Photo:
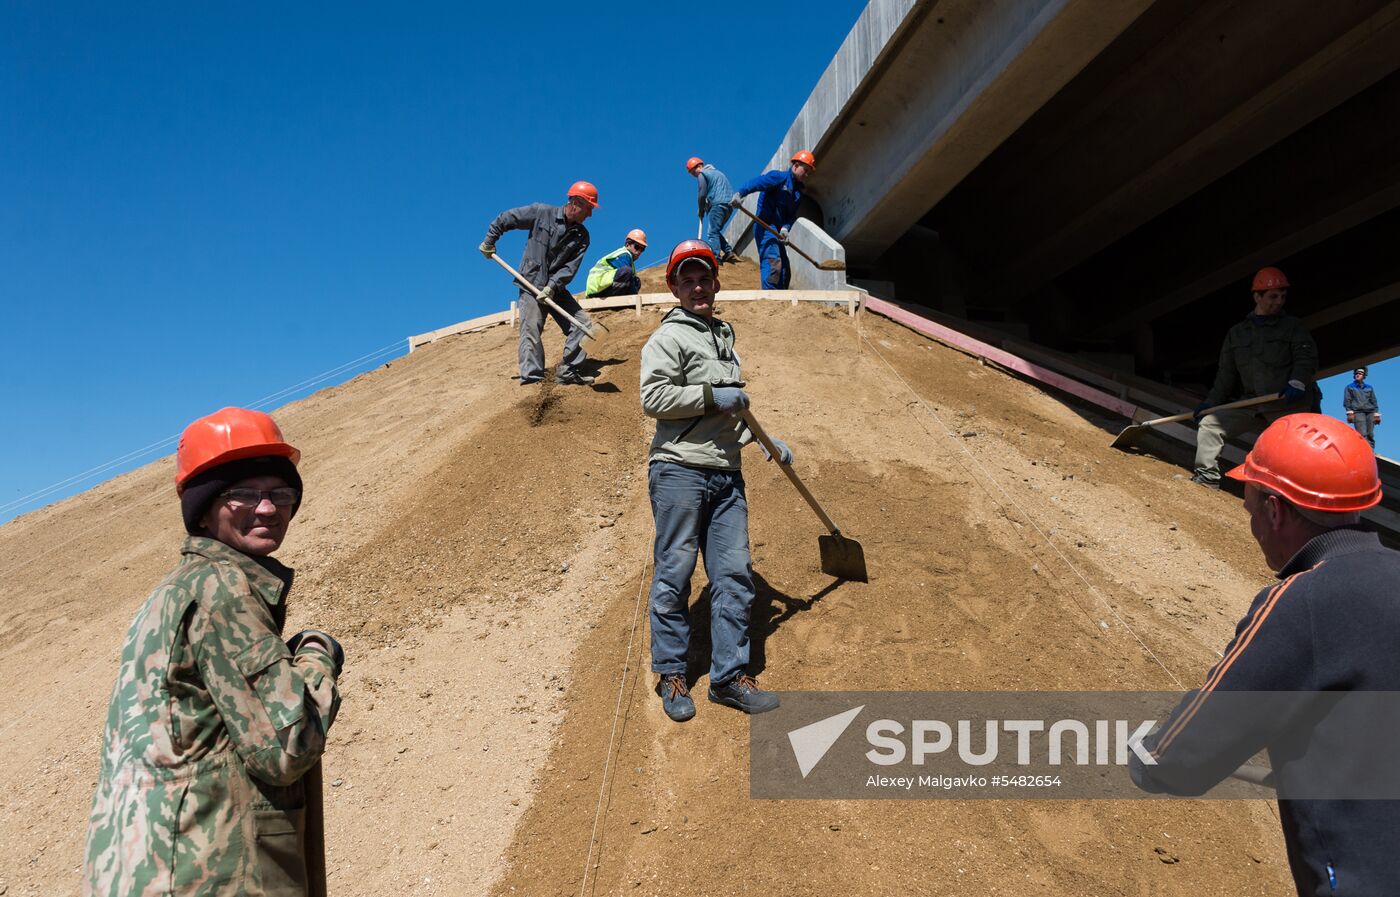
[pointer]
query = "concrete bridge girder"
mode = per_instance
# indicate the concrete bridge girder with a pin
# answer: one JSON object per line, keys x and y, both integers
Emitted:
{"x": 966, "y": 75}
{"x": 1336, "y": 56}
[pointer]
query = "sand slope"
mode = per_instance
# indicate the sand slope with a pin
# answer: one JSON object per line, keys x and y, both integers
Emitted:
{"x": 481, "y": 548}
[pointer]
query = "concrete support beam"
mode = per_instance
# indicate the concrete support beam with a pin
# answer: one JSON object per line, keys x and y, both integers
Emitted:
{"x": 814, "y": 241}
{"x": 966, "y": 75}
{"x": 1337, "y": 173}
{"x": 1113, "y": 179}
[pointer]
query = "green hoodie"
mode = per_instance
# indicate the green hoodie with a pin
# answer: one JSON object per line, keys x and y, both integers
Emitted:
{"x": 682, "y": 362}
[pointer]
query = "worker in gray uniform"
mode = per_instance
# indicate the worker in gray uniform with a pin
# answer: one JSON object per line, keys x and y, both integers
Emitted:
{"x": 1362, "y": 407}
{"x": 712, "y": 198}
{"x": 1268, "y": 353}
{"x": 552, "y": 257}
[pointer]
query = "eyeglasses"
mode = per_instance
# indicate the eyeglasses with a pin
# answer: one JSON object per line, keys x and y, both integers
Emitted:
{"x": 244, "y": 499}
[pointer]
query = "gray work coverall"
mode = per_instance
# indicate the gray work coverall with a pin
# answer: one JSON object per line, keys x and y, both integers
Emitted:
{"x": 1260, "y": 356}
{"x": 552, "y": 257}
{"x": 1362, "y": 407}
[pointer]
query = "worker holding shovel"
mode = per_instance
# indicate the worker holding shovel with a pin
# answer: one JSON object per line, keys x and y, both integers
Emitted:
{"x": 210, "y": 771}
{"x": 1267, "y": 353}
{"x": 691, "y": 384}
{"x": 780, "y": 192}
{"x": 552, "y": 257}
{"x": 712, "y": 203}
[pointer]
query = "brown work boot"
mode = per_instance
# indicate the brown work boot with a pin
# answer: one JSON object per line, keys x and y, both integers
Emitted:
{"x": 743, "y": 693}
{"x": 675, "y": 698}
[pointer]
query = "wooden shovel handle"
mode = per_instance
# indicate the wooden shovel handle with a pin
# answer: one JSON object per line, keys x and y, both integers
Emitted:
{"x": 1188, "y": 415}
{"x": 766, "y": 226}
{"x": 534, "y": 291}
{"x": 767, "y": 443}
{"x": 315, "y": 833}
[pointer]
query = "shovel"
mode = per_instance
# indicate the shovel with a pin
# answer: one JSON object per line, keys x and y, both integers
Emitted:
{"x": 1130, "y": 434}
{"x": 842, "y": 557}
{"x": 828, "y": 265}
{"x": 585, "y": 326}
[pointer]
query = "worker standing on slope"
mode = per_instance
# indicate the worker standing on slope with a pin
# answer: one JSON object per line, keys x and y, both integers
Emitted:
{"x": 1362, "y": 407}
{"x": 692, "y": 386}
{"x": 781, "y": 191}
{"x": 1268, "y": 352}
{"x": 552, "y": 257}
{"x": 1330, "y": 625}
{"x": 214, "y": 720}
{"x": 714, "y": 194}
{"x": 615, "y": 273}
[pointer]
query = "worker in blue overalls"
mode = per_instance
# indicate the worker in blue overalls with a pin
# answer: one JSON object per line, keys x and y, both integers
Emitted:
{"x": 781, "y": 191}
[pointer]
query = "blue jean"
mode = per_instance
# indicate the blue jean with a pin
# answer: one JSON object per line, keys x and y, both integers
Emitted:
{"x": 715, "y": 220}
{"x": 773, "y": 270}
{"x": 705, "y": 511}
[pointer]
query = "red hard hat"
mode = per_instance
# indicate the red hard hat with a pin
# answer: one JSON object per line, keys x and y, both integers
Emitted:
{"x": 585, "y": 191}
{"x": 229, "y": 434}
{"x": 693, "y": 163}
{"x": 806, "y": 158}
{"x": 1314, "y": 461}
{"x": 684, "y": 252}
{"x": 638, "y": 236}
{"x": 1269, "y": 279}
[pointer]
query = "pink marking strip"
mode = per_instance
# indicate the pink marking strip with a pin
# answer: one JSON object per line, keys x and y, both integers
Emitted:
{"x": 923, "y": 325}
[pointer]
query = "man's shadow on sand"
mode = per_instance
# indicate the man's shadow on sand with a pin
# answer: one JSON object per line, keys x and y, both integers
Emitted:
{"x": 771, "y": 609}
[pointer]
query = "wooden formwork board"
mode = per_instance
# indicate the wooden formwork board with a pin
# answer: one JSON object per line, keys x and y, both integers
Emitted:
{"x": 961, "y": 341}
{"x": 849, "y": 298}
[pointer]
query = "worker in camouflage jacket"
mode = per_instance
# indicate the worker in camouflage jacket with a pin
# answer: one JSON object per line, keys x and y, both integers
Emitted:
{"x": 214, "y": 720}
{"x": 1362, "y": 407}
{"x": 1268, "y": 353}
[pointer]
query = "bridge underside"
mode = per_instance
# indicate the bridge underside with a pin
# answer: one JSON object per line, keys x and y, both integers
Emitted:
{"x": 1104, "y": 177}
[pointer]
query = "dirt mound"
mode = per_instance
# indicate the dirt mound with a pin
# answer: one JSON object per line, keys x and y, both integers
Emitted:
{"x": 482, "y": 548}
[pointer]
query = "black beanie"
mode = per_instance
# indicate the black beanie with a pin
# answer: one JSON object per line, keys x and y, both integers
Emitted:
{"x": 199, "y": 493}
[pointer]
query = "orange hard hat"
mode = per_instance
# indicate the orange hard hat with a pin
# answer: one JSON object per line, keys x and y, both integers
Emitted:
{"x": 1313, "y": 461}
{"x": 806, "y": 158}
{"x": 229, "y": 434}
{"x": 684, "y": 252}
{"x": 1269, "y": 279}
{"x": 638, "y": 236}
{"x": 585, "y": 191}
{"x": 693, "y": 163}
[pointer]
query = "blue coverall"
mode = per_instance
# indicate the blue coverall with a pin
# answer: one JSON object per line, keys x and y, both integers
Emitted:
{"x": 777, "y": 206}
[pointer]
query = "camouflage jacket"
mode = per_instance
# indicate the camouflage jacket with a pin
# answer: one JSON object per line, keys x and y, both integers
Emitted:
{"x": 212, "y": 723}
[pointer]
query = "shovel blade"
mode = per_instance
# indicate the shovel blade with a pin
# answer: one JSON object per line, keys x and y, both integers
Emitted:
{"x": 832, "y": 265}
{"x": 842, "y": 558}
{"x": 1129, "y": 437}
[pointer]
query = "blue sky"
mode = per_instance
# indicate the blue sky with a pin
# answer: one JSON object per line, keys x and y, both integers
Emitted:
{"x": 204, "y": 205}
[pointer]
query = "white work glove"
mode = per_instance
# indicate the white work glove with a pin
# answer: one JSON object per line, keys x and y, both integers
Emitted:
{"x": 783, "y": 236}
{"x": 487, "y": 249}
{"x": 547, "y": 293}
{"x": 729, "y": 400}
